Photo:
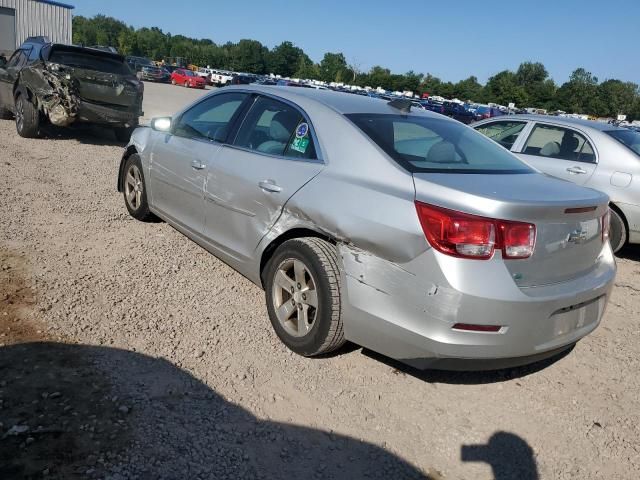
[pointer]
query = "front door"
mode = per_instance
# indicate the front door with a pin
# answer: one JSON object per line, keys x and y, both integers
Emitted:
{"x": 179, "y": 161}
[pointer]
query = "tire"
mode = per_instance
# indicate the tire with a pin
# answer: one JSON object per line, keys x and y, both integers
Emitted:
{"x": 324, "y": 332}
{"x": 27, "y": 117}
{"x": 123, "y": 134}
{"x": 134, "y": 190}
{"x": 617, "y": 231}
{"x": 186, "y": 84}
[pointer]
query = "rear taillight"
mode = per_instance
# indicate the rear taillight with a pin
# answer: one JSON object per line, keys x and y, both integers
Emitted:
{"x": 606, "y": 225}
{"x": 469, "y": 236}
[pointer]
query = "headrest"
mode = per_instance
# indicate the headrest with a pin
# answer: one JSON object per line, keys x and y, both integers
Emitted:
{"x": 550, "y": 149}
{"x": 442, "y": 152}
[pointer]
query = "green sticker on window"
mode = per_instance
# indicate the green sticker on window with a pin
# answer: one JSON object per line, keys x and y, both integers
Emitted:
{"x": 300, "y": 144}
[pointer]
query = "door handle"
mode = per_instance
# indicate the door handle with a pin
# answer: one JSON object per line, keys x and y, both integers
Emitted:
{"x": 197, "y": 164}
{"x": 576, "y": 170}
{"x": 269, "y": 186}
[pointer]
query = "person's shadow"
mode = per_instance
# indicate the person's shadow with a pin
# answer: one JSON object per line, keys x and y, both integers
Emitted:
{"x": 74, "y": 411}
{"x": 509, "y": 455}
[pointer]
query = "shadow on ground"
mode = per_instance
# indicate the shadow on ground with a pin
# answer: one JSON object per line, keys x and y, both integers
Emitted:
{"x": 630, "y": 252}
{"x": 72, "y": 411}
{"x": 509, "y": 456}
{"x": 467, "y": 377}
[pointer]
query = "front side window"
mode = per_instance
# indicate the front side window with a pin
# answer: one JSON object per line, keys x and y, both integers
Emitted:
{"x": 503, "y": 133}
{"x": 424, "y": 144}
{"x": 211, "y": 118}
{"x": 276, "y": 128}
{"x": 558, "y": 142}
{"x": 17, "y": 59}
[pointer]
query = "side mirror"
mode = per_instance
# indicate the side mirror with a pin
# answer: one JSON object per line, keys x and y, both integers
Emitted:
{"x": 161, "y": 124}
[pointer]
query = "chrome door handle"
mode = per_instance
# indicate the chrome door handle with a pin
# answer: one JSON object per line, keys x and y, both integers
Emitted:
{"x": 269, "y": 186}
{"x": 197, "y": 164}
{"x": 576, "y": 170}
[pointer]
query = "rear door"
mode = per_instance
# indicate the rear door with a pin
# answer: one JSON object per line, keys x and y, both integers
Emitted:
{"x": 559, "y": 151}
{"x": 248, "y": 183}
{"x": 179, "y": 161}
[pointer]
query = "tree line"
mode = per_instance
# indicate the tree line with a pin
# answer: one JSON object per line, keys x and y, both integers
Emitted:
{"x": 529, "y": 86}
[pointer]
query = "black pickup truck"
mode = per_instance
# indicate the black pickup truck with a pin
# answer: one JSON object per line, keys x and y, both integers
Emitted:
{"x": 66, "y": 84}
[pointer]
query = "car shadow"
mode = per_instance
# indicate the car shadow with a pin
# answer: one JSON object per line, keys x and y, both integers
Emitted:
{"x": 630, "y": 252}
{"x": 78, "y": 411}
{"x": 86, "y": 134}
{"x": 467, "y": 377}
{"x": 509, "y": 456}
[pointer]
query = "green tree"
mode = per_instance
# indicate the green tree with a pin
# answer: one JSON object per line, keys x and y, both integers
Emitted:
{"x": 617, "y": 97}
{"x": 333, "y": 67}
{"x": 469, "y": 89}
{"x": 579, "y": 94}
{"x": 503, "y": 88}
{"x": 283, "y": 59}
{"x": 250, "y": 56}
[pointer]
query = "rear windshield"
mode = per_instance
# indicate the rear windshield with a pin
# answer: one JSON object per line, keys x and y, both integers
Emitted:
{"x": 629, "y": 138}
{"x": 89, "y": 61}
{"x": 423, "y": 144}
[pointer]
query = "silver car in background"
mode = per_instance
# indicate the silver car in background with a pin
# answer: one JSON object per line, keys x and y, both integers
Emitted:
{"x": 592, "y": 154}
{"x": 402, "y": 231}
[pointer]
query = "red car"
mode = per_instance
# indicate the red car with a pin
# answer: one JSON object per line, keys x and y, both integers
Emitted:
{"x": 185, "y": 77}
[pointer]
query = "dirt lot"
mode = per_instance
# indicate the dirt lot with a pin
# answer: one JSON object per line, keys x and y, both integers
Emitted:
{"x": 127, "y": 351}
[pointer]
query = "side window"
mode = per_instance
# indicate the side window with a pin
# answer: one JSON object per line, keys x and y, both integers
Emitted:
{"x": 557, "y": 142}
{"x": 504, "y": 133}
{"x": 17, "y": 59}
{"x": 276, "y": 128}
{"x": 210, "y": 118}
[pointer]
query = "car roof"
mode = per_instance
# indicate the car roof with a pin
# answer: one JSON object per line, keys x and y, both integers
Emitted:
{"x": 343, "y": 103}
{"x": 568, "y": 121}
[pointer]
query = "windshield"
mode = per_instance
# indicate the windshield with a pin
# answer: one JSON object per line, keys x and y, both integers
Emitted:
{"x": 628, "y": 138}
{"x": 423, "y": 144}
{"x": 89, "y": 61}
{"x": 188, "y": 73}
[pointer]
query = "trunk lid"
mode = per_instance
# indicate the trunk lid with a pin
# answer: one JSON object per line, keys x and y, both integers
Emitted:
{"x": 105, "y": 88}
{"x": 567, "y": 218}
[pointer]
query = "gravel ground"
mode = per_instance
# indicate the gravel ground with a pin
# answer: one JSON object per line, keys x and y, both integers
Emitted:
{"x": 127, "y": 351}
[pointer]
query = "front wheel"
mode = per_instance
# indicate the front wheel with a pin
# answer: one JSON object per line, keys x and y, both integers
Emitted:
{"x": 27, "y": 117}
{"x": 186, "y": 84}
{"x": 303, "y": 294}
{"x": 135, "y": 191}
{"x": 617, "y": 231}
{"x": 173, "y": 81}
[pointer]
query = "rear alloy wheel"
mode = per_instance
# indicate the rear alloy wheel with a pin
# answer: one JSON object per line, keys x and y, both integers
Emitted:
{"x": 302, "y": 288}
{"x": 135, "y": 192}
{"x": 617, "y": 231}
{"x": 27, "y": 117}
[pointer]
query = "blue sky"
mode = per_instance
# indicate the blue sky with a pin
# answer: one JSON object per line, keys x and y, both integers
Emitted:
{"x": 450, "y": 39}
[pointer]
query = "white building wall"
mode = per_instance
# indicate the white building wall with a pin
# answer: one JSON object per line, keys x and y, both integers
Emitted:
{"x": 34, "y": 17}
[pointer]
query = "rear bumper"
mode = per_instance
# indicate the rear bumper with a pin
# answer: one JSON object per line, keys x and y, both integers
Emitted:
{"x": 107, "y": 115}
{"x": 407, "y": 311}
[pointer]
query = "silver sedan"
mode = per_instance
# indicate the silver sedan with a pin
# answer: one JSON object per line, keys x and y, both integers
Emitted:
{"x": 364, "y": 220}
{"x": 593, "y": 154}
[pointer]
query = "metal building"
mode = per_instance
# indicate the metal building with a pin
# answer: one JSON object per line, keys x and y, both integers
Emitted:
{"x": 20, "y": 19}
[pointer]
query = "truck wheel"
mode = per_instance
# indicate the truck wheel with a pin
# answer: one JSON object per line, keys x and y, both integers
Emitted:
{"x": 27, "y": 117}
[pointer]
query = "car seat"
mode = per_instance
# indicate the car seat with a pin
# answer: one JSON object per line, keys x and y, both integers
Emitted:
{"x": 282, "y": 126}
